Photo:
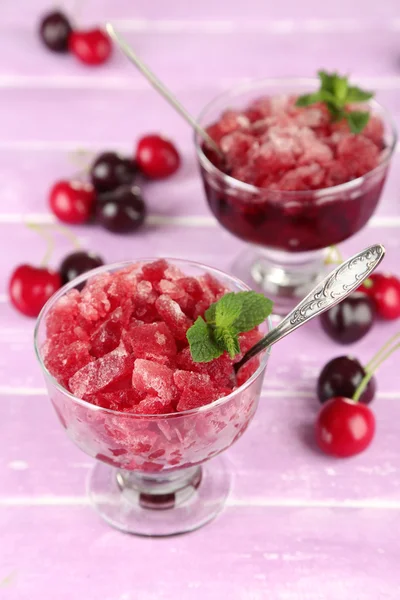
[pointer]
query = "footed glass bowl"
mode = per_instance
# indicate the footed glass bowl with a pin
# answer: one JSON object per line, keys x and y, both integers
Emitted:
{"x": 155, "y": 475}
{"x": 289, "y": 231}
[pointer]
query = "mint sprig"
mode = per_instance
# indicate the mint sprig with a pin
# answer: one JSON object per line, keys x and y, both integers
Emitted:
{"x": 224, "y": 321}
{"x": 336, "y": 93}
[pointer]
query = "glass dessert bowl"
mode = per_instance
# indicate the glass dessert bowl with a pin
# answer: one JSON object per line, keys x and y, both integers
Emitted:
{"x": 303, "y": 202}
{"x": 151, "y": 422}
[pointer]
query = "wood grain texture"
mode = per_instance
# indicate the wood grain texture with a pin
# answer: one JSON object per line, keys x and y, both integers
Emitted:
{"x": 297, "y": 525}
{"x": 249, "y": 553}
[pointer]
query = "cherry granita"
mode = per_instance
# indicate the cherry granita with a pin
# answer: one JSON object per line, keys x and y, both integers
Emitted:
{"x": 120, "y": 342}
{"x": 294, "y": 157}
{"x": 131, "y": 394}
{"x": 268, "y": 142}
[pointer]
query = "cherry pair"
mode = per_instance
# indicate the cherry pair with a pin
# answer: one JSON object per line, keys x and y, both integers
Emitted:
{"x": 156, "y": 158}
{"x": 351, "y": 319}
{"x": 91, "y": 47}
{"x": 30, "y": 287}
{"x": 121, "y": 210}
{"x": 346, "y": 425}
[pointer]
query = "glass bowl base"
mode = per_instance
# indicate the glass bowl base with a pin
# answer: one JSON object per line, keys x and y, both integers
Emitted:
{"x": 283, "y": 277}
{"x": 158, "y": 504}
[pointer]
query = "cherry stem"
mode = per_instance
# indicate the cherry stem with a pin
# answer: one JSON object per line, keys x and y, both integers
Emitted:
{"x": 80, "y": 159}
{"x": 377, "y": 356}
{"x": 377, "y": 363}
{"x": 76, "y": 9}
{"x": 67, "y": 233}
{"x": 368, "y": 283}
{"x": 48, "y": 238}
{"x": 334, "y": 256}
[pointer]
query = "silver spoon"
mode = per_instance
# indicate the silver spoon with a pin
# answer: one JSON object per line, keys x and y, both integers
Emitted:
{"x": 160, "y": 87}
{"x": 335, "y": 287}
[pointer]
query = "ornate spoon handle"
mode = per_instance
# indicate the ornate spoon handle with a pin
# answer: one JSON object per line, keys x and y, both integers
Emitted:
{"x": 331, "y": 290}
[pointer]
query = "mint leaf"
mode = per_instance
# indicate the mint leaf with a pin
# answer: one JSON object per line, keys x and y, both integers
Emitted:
{"x": 326, "y": 80}
{"x": 228, "y": 309}
{"x": 336, "y": 113}
{"x": 357, "y": 120}
{"x": 241, "y": 311}
{"x": 225, "y": 319}
{"x": 327, "y": 97}
{"x": 308, "y": 99}
{"x": 332, "y": 105}
{"x": 210, "y": 313}
{"x": 336, "y": 93}
{"x": 203, "y": 347}
{"x": 340, "y": 88}
{"x": 356, "y": 94}
{"x": 255, "y": 309}
{"x": 228, "y": 340}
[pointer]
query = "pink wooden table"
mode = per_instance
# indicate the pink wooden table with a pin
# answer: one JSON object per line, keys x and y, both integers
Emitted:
{"x": 297, "y": 525}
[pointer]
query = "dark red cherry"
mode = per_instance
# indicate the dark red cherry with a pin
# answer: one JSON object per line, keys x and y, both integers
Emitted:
{"x": 91, "y": 47}
{"x": 122, "y": 210}
{"x": 349, "y": 320}
{"x": 110, "y": 170}
{"x": 77, "y": 263}
{"x": 344, "y": 428}
{"x": 54, "y": 31}
{"x": 30, "y": 287}
{"x": 341, "y": 376}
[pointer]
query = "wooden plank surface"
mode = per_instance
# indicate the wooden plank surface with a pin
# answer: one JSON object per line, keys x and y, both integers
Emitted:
{"x": 297, "y": 525}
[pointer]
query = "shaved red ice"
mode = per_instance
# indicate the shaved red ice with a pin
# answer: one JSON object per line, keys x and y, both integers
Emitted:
{"x": 267, "y": 142}
{"x": 63, "y": 361}
{"x": 152, "y": 341}
{"x": 123, "y": 400}
{"x": 120, "y": 343}
{"x": 96, "y": 376}
{"x": 194, "y": 398}
{"x": 106, "y": 337}
{"x": 149, "y": 377}
{"x": 173, "y": 316}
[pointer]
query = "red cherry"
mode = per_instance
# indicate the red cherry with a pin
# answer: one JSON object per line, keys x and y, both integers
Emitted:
{"x": 30, "y": 288}
{"x": 72, "y": 201}
{"x": 157, "y": 157}
{"x": 385, "y": 292}
{"x": 344, "y": 427}
{"x": 92, "y": 47}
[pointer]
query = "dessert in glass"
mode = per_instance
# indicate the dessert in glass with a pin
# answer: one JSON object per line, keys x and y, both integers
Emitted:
{"x": 119, "y": 372}
{"x": 292, "y": 182}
